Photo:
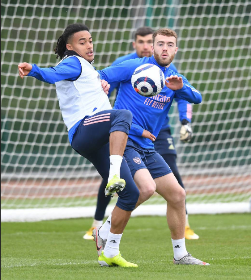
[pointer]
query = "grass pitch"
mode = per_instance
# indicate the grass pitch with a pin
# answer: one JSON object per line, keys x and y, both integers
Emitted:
{"x": 56, "y": 250}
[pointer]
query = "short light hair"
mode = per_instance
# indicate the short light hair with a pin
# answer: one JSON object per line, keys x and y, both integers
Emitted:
{"x": 165, "y": 32}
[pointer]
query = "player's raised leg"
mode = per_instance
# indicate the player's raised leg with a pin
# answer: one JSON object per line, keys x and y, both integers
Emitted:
{"x": 118, "y": 139}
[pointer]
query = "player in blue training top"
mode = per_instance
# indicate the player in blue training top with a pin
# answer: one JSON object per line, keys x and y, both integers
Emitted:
{"x": 163, "y": 144}
{"x": 150, "y": 172}
{"x": 94, "y": 127}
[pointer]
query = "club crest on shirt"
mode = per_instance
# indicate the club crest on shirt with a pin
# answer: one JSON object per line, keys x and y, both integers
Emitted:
{"x": 137, "y": 160}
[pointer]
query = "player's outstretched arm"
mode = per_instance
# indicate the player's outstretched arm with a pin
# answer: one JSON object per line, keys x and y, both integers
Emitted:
{"x": 24, "y": 69}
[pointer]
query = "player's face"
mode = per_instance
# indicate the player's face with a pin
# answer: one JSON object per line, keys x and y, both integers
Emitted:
{"x": 81, "y": 43}
{"x": 143, "y": 45}
{"x": 164, "y": 49}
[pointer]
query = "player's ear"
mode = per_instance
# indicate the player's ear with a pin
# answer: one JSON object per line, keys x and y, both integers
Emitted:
{"x": 176, "y": 49}
{"x": 69, "y": 47}
{"x": 133, "y": 45}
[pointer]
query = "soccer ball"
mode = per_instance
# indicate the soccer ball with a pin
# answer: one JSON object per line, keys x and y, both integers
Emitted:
{"x": 148, "y": 80}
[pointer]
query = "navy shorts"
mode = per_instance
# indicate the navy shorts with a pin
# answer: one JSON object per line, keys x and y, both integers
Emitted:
{"x": 138, "y": 158}
{"x": 91, "y": 140}
{"x": 164, "y": 143}
{"x": 94, "y": 131}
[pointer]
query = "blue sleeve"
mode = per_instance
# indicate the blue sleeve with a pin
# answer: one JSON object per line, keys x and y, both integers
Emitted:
{"x": 113, "y": 86}
{"x": 188, "y": 92}
{"x": 185, "y": 109}
{"x": 121, "y": 72}
{"x": 116, "y": 85}
{"x": 136, "y": 130}
{"x": 69, "y": 69}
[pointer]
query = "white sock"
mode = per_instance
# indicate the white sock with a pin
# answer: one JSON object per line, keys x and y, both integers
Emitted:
{"x": 105, "y": 228}
{"x": 97, "y": 224}
{"x": 115, "y": 164}
{"x": 112, "y": 245}
{"x": 179, "y": 248}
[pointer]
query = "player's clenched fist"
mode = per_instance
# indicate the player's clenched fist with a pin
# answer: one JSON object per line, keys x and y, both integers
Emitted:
{"x": 24, "y": 69}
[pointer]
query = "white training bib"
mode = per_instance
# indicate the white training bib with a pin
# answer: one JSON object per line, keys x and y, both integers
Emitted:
{"x": 83, "y": 97}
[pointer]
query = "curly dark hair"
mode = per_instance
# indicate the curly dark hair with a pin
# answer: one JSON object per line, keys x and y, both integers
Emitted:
{"x": 64, "y": 38}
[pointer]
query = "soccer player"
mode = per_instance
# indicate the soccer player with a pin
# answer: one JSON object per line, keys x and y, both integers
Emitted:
{"x": 150, "y": 172}
{"x": 94, "y": 128}
{"x": 163, "y": 144}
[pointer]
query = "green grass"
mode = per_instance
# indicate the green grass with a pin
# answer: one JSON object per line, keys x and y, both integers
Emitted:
{"x": 56, "y": 250}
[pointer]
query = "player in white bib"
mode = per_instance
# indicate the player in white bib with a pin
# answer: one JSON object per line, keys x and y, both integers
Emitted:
{"x": 95, "y": 130}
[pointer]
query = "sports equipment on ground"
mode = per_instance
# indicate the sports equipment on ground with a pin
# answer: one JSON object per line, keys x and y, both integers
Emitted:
{"x": 114, "y": 185}
{"x": 115, "y": 261}
{"x": 189, "y": 260}
{"x": 43, "y": 178}
{"x": 148, "y": 80}
{"x": 100, "y": 243}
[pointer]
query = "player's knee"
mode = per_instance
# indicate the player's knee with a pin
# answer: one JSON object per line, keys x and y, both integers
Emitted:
{"x": 128, "y": 201}
{"x": 134, "y": 198}
{"x": 126, "y": 115}
{"x": 122, "y": 121}
{"x": 179, "y": 196}
{"x": 147, "y": 191}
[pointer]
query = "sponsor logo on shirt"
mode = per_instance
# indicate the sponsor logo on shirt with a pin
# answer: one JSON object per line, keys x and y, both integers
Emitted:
{"x": 158, "y": 101}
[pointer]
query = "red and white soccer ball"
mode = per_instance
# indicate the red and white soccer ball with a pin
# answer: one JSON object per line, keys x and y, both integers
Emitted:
{"x": 148, "y": 80}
